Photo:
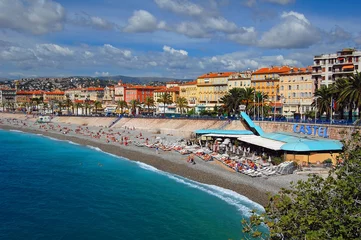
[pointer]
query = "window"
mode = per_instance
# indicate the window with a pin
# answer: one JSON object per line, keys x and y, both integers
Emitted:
{"x": 298, "y": 87}
{"x": 281, "y": 88}
{"x": 301, "y": 78}
{"x": 294, "y": 94}
{"x": 356, "y": 67}
{"x": 289, "y": 87}
{"x": 329, "y": 69}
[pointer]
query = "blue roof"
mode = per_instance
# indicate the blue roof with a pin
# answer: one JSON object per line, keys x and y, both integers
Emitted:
{"x": 224, "y": 132}
{"x": 251, "y": 124}
{"x": 297, "y": 143}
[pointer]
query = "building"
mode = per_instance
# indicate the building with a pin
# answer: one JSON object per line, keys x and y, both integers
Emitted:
{"x": 27, "y": 98}
{"x": 86, "y": 94}
{"x": 139, "y": 93}
{"x": 119, "y": 91}
{"x": 109, "y": 95}
{"x": 266, "y": 80}
{"x": 329, "y": 67}
{"x": 189, "y": 91}
{"x": 169, "y": 108}
{"x": 211, "y": 87}
{"x": 54, "y": 96}
{"x": 172, "y": 84}
{"x": 7, "y": 98}
{"x": 296, "y": 91}
{"x": 240, "y": 80}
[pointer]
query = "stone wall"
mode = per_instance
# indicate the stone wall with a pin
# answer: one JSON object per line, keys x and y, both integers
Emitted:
{"x": 333, "y": 131}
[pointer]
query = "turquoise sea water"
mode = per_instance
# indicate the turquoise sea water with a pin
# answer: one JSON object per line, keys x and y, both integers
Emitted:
{"x": 52, "y": 189}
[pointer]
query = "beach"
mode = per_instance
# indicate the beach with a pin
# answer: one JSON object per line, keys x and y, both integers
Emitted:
{"x": 99, "y": 136}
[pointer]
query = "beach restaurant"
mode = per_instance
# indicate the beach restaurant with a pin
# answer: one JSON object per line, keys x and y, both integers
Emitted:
{"x": 293, "y": 147}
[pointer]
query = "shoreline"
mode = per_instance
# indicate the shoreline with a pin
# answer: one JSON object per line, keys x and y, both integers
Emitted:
{"x": 204, "y": 172}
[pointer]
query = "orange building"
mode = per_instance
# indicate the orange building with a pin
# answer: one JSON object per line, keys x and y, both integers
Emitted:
{"x": 266, "y": 80}
{"x": 55, "y": 96}
{"x": 25, "y": 97}
{"x": 139, "y": 93}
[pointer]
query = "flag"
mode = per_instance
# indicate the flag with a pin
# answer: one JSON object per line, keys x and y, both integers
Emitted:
{"x": 334, "y": 104}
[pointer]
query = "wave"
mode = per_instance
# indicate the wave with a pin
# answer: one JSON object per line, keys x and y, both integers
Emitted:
{"x": 13, "y": 130}
{"x": 73, "y": 143}
{"x": 95, "y": 148}
{"x": 242, "y": 203}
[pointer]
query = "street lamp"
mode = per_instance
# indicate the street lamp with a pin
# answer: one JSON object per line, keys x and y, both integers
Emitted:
{"x": 316, "y": 108}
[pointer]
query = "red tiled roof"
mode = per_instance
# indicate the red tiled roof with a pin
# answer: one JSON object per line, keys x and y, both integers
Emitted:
{"x": 29, "y": 92}
{"x": 55, "y": 93}
{"x": 141, "y": 87}
{"x": 95, "y": 89}
{"x": 190, "y": 83}
{"x": 276, "y": 69}
{"x": 215, "y": 75}
{"x": 172, "y": 89}
{"x": 295, "y": 70}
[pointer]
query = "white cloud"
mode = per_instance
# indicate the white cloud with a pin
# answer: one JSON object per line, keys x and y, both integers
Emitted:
{"x": 17, "y": 54}
{"x": 281, "y": 2}
{"x": 95, "y": 22}
{"x": 103, "y": 74}
{"x": 220, "y": 24}
{"x": 192, "y": 29}
{"x": 295, "y": 31}
{"x": 174, "y": 51}
{"x": 53, "y": 50}
{"x": 181, "y": 7}
{"x": 245, "y": 36}
{"x": 142, "y": 21}
{"x": 36, "y": 16}
{"x": 111, "y": 50}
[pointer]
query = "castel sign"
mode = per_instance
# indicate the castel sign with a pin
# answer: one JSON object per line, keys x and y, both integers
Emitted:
{"x": 311, "y": 130}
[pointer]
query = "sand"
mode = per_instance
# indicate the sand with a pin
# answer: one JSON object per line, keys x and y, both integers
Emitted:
{"x": 212, "y": 173}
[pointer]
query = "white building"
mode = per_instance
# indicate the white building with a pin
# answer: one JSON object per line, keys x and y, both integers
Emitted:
{"x": 329, "y": 67}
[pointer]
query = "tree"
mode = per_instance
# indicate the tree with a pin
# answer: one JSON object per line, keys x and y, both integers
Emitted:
{"x": 319, "y": 208}
{"x": 122, "y": 104}
{"x": 324, "y": 96}
{"x": 68, "y": 103}
{"x": 248, "y": 96}
{"x": 232, "y": 100}
{"x": 182, "y": 103}
{"x": 352, "y": 91}
{"x": 149, "y": 102}
{"x": 133, "y": 105}
{"x": 97, "y": 105}
{"x": 77, "y": 106}
{"x": 60, "y": 105}
{"x": 165, "y": 98}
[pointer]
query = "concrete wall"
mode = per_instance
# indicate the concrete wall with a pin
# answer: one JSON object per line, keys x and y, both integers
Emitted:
{"x": 334, "y": 132}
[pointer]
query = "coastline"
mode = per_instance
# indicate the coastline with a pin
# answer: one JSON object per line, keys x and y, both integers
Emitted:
{"x": 204, "y": 172}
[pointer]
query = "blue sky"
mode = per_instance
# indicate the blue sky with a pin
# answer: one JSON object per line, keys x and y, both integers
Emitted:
{"x": 170, "y": 38}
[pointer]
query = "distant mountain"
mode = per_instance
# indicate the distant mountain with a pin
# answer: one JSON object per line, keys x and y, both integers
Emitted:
{"x": 142, "y": 80}
{"x": 3, "y": 79}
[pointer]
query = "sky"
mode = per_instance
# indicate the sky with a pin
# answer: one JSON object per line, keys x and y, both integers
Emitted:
{"x": 169, "y": 38}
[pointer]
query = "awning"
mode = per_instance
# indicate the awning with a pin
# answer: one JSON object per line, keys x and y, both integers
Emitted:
{"x": 348, "y": 67}
{"x": 262, "y": 142}
{"x": 222, "y": 135}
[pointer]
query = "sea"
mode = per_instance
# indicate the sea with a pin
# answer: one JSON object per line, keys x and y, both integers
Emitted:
{"x": 52, "y": 189}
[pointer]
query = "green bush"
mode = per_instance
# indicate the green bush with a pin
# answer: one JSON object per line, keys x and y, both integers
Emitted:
{"x": 277, "y": 160}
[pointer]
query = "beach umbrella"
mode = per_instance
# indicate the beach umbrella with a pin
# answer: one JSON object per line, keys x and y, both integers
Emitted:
{"x": 237, "y": 151}
{"x": 269, "y": 159}
{"x": 244, "y": 154}
{"x": 219, "y": 139}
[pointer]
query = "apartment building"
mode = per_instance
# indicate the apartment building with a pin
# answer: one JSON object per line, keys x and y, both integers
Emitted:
{"x": 109, "y": 95}
{"x": 266, "y": 80}
{"x": 7, "y": 97}
{"x": 85, "y": 94}
{"x": 25, "y": 98}
{"x": 211, "y": 87}
{"x": 327, "y": 68}
{"x": 296, "y": 91}
{"x": 240, "y": 80}
{"x": 139, "y": 93}
{"x": 189, "y": 91}
{"x": 169, "y": 108}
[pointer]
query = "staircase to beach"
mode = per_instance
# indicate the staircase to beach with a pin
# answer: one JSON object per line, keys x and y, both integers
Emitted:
{"x": 114, "y": 122}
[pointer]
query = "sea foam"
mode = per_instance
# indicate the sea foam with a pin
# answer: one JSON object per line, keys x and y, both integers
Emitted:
{"x": 242, "y": 203}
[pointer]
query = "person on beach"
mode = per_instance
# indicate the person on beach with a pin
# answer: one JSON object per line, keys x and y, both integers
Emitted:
{"x": 157, "y": 150}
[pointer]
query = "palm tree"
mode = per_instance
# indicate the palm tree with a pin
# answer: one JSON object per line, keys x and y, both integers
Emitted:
{"x": 182, "y": 103}
{"x": 97, "y": 105}
{"x": 122, "y": 104}
{"x": 78, "y": 105}
{"x": 336, "y": 90}
{"x": 248, "y": 96}
{"x": 232, "y": 100}
{"x": 61, "y": 106}
{"x": 133, "y": 105}
{"x": 165, "y": 98}
{"x": 324, "y": 96}
{"x": 352, "y": 91}
{"x": 68, "y": 103}
{"x": 87, "y": 106}
{"x": 149, "y": 102}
